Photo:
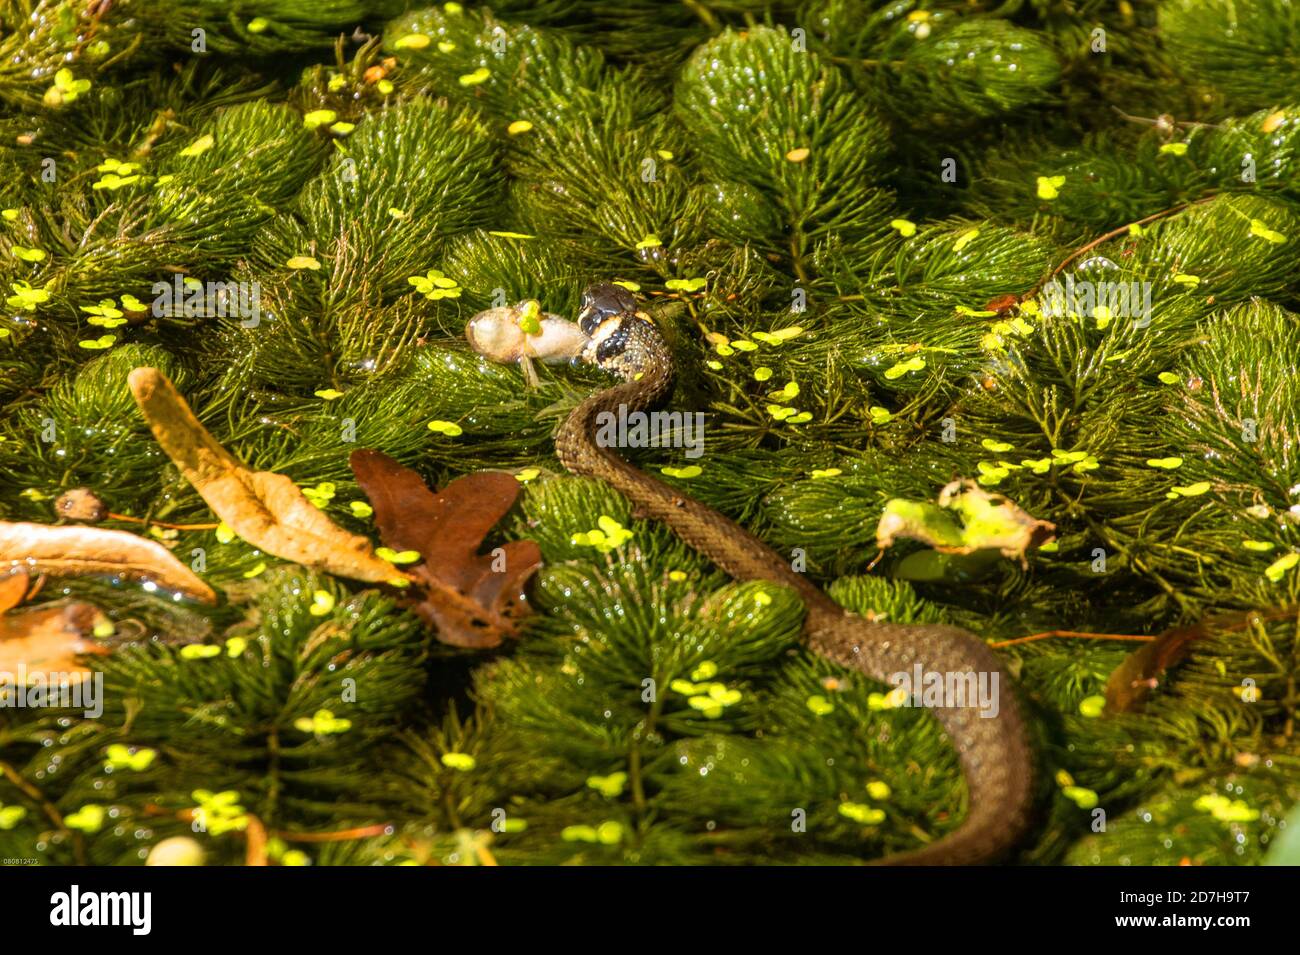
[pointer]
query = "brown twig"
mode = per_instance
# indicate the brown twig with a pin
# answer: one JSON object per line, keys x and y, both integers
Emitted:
{"x": 1071, "y": 633}
{"x": 360, "y": 832}
{"x": 174, "y": 527}
{"x": 1112, "y": 234}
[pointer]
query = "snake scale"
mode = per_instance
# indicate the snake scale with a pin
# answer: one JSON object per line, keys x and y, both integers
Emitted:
{"x": 994, "y": 752}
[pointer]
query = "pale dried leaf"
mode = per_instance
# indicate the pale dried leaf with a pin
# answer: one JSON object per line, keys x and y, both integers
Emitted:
{"x": 266, "y": 509}
{"x": 77, "y": 550}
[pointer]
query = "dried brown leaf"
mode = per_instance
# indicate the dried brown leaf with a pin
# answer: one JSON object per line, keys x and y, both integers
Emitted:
{"x": 48, "y": 639}
{"x": 79, "y": 550}
{"x": 266, "y": 509}
{"x": 473, "y": 599}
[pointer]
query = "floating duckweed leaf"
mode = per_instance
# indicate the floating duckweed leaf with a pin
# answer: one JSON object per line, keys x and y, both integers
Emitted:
{"x": 530, "y": 317}
{"x": 1168, "y": 464}
{"x": 878, "y": 790}
{"x": 707, "y": 670}
{"x": 880, "y": 415}
{"x": 826, "y": 473}
{"x": 28, "y": 255}
{"x": 10, "y": 816}
{"x": 384, "y": 86}
{"x": 973, "y": 313}
{"x": 609, "y": 535}
{"x": 66, "y": 88}
{"x": 1225, "y": 809}
{"x": 714, "y": 365}
{"x": 1259, "y": 228}
{"x": 798, "y": 154}
{"x": 791, "y": 390}
{"x": 864, "y": 814}
{"x": 329, "y": 394}
{"x": 1083, "y": 798}
{"x": 628, "y": 284}
{"x": 608, "y": 786}
{"x": 342, "y": 128}
{"x": 708, "y": 707}
{"x": 1191, "y": 490}
{"x": 527, "y": 474}
{"x": 322, "y": 723}
{"x": 512, "y": 235}
{"x": 257, "y": 25}
{"x": 762, "y": 373}
{"x": 319, "y": 117}
{"x": 915, "y": 363}
{"x": 965, "y": 239}
{"x": 1262, "y": 547}
{"x": 1279, "y": 567}
{"x": 1069, "y": 457}
{"x": 724, "y": 696}
{"x": 676, "y": 576}
{"x": 236, "y": 646}
{"x": 1174, "y": 149}
{"x": 25, "y": 296}
{"x": 397, "y": 556}
{"x": 89, "y": 818}
{"x": 321, "y": 494}
{"x": 997, "y": 447}
{"x": 199, "y": 651}
{"x": 474, "y": 79}
{"x": 434, "y": 285}
{"x": 412, "y": 41}
{"x": 819, "y": 705}
{"x": 519, "y": 126}
{"x": 802, "y": 417}
{"x": 303, "y": 262}
{"x": 905, "y": 228}
{"x": 256, "y": 571}
{"x": 686, "y": 285}
{"x": 780, "y": 412}
{"x": 690, "y": 471}
{"x": 397, "y": 213}
{"x": 651, "y": 241}
{"x": 322, "y": 602}
{"x": 9, "y": 215}
{"x": 461, "y": 762}
{"x": 1049, "y": 186}
{"x": 199, "y": 146}
{"x": 991, "y": 474}
{"x": 1037, "y": 466}
{"x": 1092, "y": 706}
{"x": 97, "y": 344}
{"x": 725, "y": 350}
{"x": 224, "y": 534}
{"x": 120, "y": 756}
{"x": 684, "y": 687}
{"x": 449, "y": 428}
{"x": 1182, "y": 278}
{"x": 218, "y": 813}
{"x": 1167, "y": 378}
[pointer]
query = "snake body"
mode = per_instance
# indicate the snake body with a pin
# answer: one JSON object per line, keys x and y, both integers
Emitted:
{"x": 994, "y": 752}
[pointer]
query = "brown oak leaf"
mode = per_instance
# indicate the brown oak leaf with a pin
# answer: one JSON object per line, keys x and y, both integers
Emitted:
{"x": 474, "y": 600}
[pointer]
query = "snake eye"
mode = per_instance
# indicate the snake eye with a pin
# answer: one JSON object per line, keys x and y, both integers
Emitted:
{"x": 601, "y": 301}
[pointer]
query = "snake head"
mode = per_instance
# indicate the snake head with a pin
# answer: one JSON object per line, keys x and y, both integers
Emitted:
{"x": 602, "y": 301}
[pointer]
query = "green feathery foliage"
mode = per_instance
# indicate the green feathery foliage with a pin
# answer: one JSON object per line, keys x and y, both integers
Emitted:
{"x": 856, "y": 224}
